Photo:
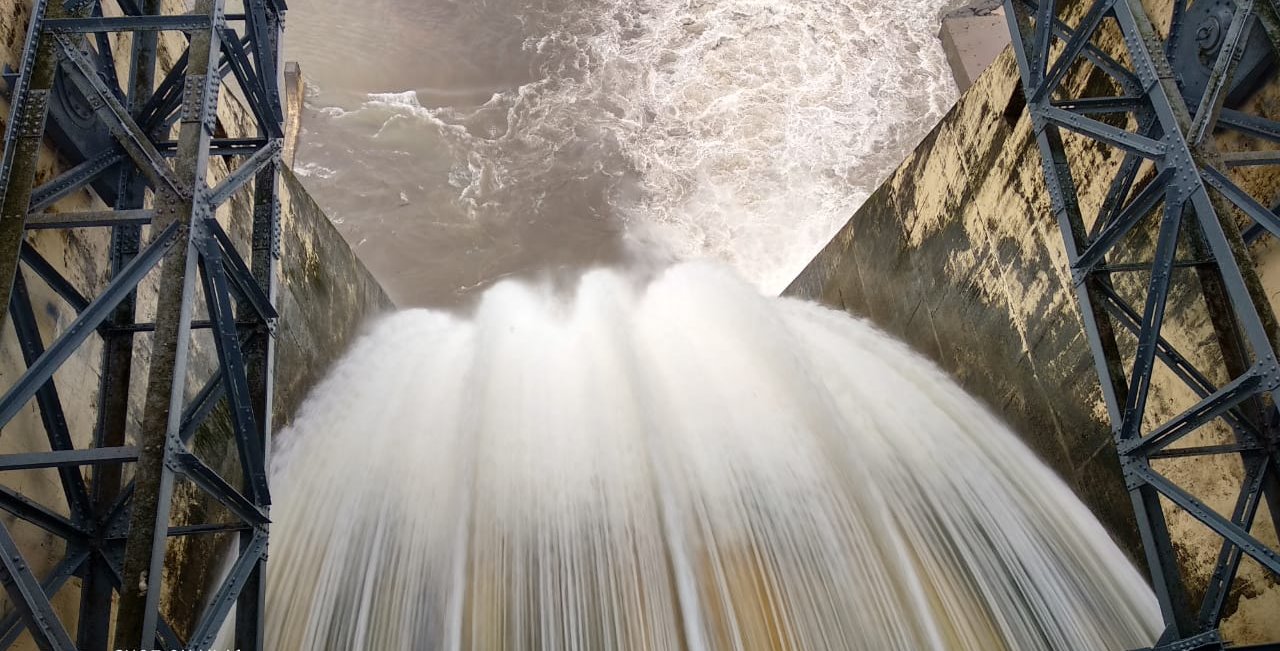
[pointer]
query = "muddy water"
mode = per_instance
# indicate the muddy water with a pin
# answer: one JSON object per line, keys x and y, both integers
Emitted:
{"x": 456, "y": 143}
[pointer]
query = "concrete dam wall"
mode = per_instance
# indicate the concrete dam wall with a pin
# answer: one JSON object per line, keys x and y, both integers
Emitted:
{"x": 959, "y": 254}
{"x": 326, "y": 295}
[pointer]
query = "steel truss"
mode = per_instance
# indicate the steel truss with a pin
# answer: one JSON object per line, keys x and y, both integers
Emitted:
{"x": 1165, "y": 125}
{"x": 160, "y": 132}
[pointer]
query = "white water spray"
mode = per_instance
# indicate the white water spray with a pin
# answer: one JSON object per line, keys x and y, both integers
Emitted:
{"x": 683, "y": 465}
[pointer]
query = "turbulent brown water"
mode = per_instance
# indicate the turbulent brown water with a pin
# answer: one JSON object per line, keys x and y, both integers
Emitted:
{"x": 458, "y": 142}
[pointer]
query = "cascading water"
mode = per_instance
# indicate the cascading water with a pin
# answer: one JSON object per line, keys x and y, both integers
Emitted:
{"x": 679, "y": 463}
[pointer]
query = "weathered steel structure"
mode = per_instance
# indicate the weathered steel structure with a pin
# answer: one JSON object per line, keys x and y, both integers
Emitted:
{"x": 1162, "y": 102}
{"x": 142, "y": 139}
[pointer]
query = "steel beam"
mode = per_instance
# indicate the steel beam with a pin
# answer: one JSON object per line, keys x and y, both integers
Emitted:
{"x": 14, "y": 624}
{"x": 1178, "y": 209}
{"x": 29, "y": 598}
{"x": 182, "y": 208}
{"x": 66, "y": 458}
{"x": 29, "y": 106}
{"x": 18, "y": 505}
{"x": 116, "y": 532}
{"x": 181, "y": 23}
{"x": 90, "y": 218}
{"x": 74, "y": 179}
{"x": 51, "y": 413}
{"x": 244, "y": 173}
{"x": 83, "y": 326}
{"x": 54, "y": 279}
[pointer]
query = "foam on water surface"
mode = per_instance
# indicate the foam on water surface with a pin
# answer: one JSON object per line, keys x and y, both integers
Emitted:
{"x": 744, "y": 131}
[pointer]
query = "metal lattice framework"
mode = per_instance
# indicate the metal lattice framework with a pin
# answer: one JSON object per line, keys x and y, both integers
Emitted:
{"x": 144, "y": 145}
{"x": 1165, "y": 104}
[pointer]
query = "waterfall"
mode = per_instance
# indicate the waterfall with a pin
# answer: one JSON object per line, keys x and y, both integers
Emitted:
{"x": 675, "y": 462}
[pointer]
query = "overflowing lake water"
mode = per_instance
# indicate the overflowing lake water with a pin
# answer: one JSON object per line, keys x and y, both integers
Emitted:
{"x": 680, "y": 463}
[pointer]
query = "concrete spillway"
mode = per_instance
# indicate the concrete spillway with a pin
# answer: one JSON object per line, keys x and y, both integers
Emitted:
{"x": 682, "y": 464}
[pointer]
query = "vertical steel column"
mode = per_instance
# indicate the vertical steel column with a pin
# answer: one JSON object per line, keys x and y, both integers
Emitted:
{"x": 22, "y": 141}
{"x": 260, "y": 350}
{"x": 96, "y": 592}
{"x": 139, "y": 607}
{"x": 115, "y": 538}
{"x": 1177, "y": 207}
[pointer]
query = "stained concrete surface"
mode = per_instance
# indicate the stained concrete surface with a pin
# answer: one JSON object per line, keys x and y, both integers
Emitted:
{"x": 295, "y": 90}
{"x": 959, "y": 255}
{"x": 972, "y": 38}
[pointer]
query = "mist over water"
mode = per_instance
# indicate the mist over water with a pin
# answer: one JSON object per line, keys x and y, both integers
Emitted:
{"x": 458, "y": 142}
{"x": 682, "y": 464}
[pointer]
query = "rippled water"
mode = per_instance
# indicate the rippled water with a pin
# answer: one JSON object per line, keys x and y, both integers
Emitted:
{"x": 457, "y": 142}
{"x": 673, "y": 464}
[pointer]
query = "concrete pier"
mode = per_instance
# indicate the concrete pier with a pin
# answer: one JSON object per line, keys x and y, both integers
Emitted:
{"x": 972, "y": 38}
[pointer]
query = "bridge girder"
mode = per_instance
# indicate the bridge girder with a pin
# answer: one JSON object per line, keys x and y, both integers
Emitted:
{"x": 143, "y": 145}
{"x": 1163, "y": 99}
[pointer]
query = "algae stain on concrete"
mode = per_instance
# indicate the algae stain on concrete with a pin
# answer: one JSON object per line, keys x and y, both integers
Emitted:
{"x": 963, "y": 231}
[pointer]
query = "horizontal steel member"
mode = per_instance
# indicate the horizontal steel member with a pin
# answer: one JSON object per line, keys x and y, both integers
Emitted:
{"x": 219, "y": 146}
{"x": 1251, "y": 158}
{"x": 1087, "y": 105}
{"x": 188, "y": 530}
{"x": 1114, "y": 136}
{"x": 201, "y": 529}
{"x": 1207, "y": 409}
{"x": 1203, "y": 450}
{"x": 199, "y": 324}
{"x": 181, "y": 23}
{"x": 59, "y": 458}
{"x": 87, "y": 219}
{"x": 1205, "y": 641}
{"x": 1222, "y": 526}
{"x": 24, "y": 507}
{"x": 1250, "y": 124}
{"x": 1124, "y": 267}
